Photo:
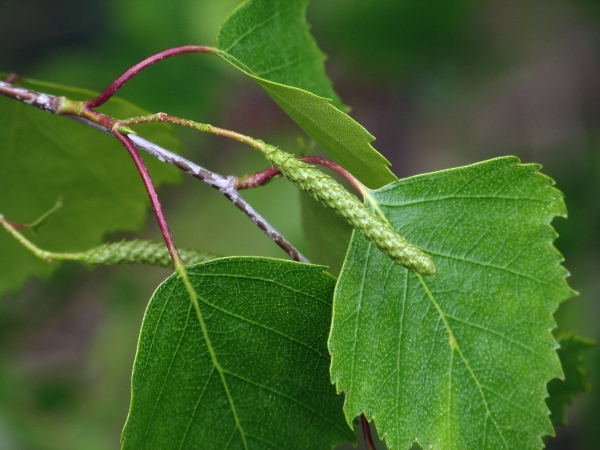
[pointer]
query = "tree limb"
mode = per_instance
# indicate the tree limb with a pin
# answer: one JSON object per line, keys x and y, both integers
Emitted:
{"x": 225, "y": 185}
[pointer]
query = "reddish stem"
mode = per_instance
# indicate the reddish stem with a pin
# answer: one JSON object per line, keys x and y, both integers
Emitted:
{"x": 367, "y": 433}
{"x": 257, "y": 179}
{"x": 12, "y": 78}
{"x": 158, "y": 212}
{"x": 20, "y": 226}
{"x": 131, "y": 72}
{"x": 260, "y": 178}
{"x": 336, "y": 167}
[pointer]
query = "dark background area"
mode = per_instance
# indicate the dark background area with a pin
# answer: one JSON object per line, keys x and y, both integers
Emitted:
{"x": 440, "y": 84}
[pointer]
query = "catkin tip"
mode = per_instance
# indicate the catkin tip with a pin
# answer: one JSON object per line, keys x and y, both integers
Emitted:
{"x": 420, "y": 263}
{"x": 427, "y": 267}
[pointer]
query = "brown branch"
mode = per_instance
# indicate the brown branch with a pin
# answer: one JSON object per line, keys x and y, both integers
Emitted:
{"x": 48, "y": 103}
{"x": 225, "y": 185}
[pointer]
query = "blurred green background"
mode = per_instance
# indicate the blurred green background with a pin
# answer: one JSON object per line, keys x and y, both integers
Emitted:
{"x": 440, "y": 84}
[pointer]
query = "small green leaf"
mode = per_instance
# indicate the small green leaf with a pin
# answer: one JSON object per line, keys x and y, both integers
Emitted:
{"x": 561, "y": 392}
{"x": 459, "y": 359}
{"x": 45, "y": 157}
{"x": 269, "y": 41}
{"x": 232, "y": 354}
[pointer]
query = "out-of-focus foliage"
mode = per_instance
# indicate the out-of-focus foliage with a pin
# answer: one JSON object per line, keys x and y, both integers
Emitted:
{"x": 561, "y": 392}
{"x": 42, "y": 160}
{"x": 251, "y": 40}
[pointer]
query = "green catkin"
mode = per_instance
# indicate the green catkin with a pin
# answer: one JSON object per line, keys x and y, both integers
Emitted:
{"x": 330, "y": 193}
{"x": 124, "y": 252}
{"x": 141, "y": 252}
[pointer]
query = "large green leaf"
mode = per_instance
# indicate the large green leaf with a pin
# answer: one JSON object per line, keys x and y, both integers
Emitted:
{"x": 459, "y": 359}
{"x": 44, "y": 157}
{"x": 269, "y": 41}
{"x": 232, "y": 355}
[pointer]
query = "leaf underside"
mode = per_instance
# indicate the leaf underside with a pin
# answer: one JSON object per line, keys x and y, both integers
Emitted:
{"x": 247, "y": 370}
{"x": 44, "y": 158}
{"x": 459, "y": 359}
{"x": 269, "y": 41}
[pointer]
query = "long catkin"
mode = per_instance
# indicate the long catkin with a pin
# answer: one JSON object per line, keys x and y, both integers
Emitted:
{"x": 333, "y": 195}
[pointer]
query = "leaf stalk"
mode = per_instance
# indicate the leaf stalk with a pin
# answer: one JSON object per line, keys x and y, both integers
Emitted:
{"x": 151, "y": 190}
{"x": 137, "y": 68}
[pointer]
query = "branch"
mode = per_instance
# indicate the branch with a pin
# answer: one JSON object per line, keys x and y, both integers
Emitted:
{"x": 228, "y": 186}
{"x": 373, "y": 225}
{"x": 48, "y": 103}
{"x": 225, "y": 185}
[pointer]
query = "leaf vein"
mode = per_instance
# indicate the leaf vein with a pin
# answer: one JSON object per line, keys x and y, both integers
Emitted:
{"x": 456, "y": 346}
{"x": 492, "y": 266}
{"x": 473, "y": 179}
{"x": 288, "y": 397}
{"x": 355, "y": 338}
{"x": 167, "y": 373}
{"x": 187, "y": 429}
{"x": 500, "y": 335}
{"x": 260, "y": 325}
{"x": 452, "y": 197}
{"x": 243, "y": 36}
{"x": 265, "y": 280}
{"x": 182, "y": 271}
{"x": 513, "y": 404}
{"x": 283, "y": 66}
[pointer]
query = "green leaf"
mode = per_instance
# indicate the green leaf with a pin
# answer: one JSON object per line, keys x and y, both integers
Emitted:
{"x": 232, "y": 354}
{"x": 269, "y": 41}
{"x": 45, "y": 157}
{"x": 459, "y": 359}
{"x": 561, "y": 392}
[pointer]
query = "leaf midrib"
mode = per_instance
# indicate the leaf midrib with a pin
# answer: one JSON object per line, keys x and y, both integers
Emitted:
{"x": 456, "y": 347}
{"x": 183, "y": 274}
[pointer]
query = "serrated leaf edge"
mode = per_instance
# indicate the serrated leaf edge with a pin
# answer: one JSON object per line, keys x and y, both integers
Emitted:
{"x": 561, "y": 212}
